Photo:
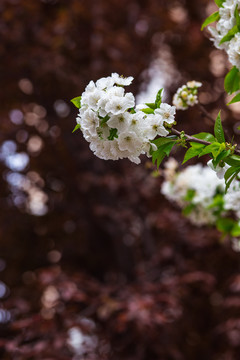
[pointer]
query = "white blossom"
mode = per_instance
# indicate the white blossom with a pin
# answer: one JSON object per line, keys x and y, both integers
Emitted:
{"x": 120, "y": 80}
{"x": 220, "y": 170}
{"x": 226, "y": 23}
{"x": 117, "y": 104}
{"x": 128, "y": 140}
{"x": 120, "y": 122}
{"x": 114, "y": 129}
{"x": 186, "y": 95}
{"x": 167, "y": 113}
{"x": 203, "y": 184}
{"x": 154, "y": 126}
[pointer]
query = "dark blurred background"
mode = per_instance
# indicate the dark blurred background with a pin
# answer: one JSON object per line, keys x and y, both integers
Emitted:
{"x": 94, "y": 262}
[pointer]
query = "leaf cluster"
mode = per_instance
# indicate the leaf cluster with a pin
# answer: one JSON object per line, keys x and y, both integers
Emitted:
{"x": 153, "y": 106}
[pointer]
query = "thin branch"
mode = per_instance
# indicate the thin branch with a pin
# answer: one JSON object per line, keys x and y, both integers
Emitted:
{"x": 193, "y": 139}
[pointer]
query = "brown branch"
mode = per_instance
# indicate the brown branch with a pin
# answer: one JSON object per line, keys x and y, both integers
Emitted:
{"x": 199, "y": 141}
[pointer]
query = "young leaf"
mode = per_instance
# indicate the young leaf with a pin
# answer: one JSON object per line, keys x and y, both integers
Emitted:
{"x": 237, "y": 17}
{"x": 218, "y": 202}
{"x": 76, "y": 128}
{"x": 103, "y": 120}
{"x": 113, "y": 134}
{"x": 218, "y": 130}
{"x": 221, "y": 156}
{"x": 162, "y": 151}
{"x": 148, "y": 111}
{"x": 189, "y": 195}
{"x": 151, "y": 105}
{"x": 205, "y": 136}
{"x": 158, "y": 100}
{"x": 195, "y": 145}
{"x": 163, "y": 140}
{"x": 77, "y": 102}
{"x": 191, "y": 153}
{"x": 230, "y": 175}
{"x": 159, "y": 156}
{"x": 214, "y": 149}
{"x": 188, "y": 209}
{"x": 219, "y": 3}
{"x": 235, "y": 99}
{"x": 232, "y": 81}
{"x": 230, "y": 34}
{"x": 225, "y": 225}
{"x": 236, "y": 229}
{"x": 210, "y": 19}
{"x": 233, "y": 160}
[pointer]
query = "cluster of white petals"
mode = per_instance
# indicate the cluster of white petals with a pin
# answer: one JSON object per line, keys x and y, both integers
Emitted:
{"x": 111, "y": 124}
{"x": 195, "y": 188}
{"x": 186, "y": 95}
{"x": 226, "y": 22}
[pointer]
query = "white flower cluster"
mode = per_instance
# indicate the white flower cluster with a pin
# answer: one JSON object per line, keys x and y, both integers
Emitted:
{"x": 196, "y": 190}
{"x": 111, "y": 124}
{"x": 186, "y": 95}
{"x": 226, "y": 22}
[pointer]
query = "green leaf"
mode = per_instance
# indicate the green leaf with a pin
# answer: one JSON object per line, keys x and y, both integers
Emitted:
{"x": 235, "y": 99}
{"x": 188, "y": 209}
{"x": 210, "y": 19}
{"x": 225, "y": 225}
{"x": 189, "y": 195}
{"x": 132, "y": 111}
{"x": 158, "y": 156}
{"x": 218, "y": 130}
{"x": 214, "y": 149}
{"x": 158, "y": 100}
{"x": 237, "y": 17}
{"x": 151, "y": 105}
{"x": 191, "y": 153}
{"x": 113, "y": 134}
{"x": 230, "y": 175}
{"x": 103, "y": 120}
{"x": 168, "y": 147}
{"x": 162, "y": 151}
{"x": 230, "y": 172}
{"x": 163, "y": 140}
{"x": 230, "y": 34}
{"x": 77, "y": 102}
{"x": 233, "y": 160}
{"x": 76, "y": 128}
{"x": 148, "y": 111}
{"x": 221, "y": 156}
{"x": 232, "y": 81}
{"x": 196, "y": 145}
{"x": 205, "y": 136}
{"x": 219, "y": 3}
{"x": 236, "y": 229}
{"x": 218, "y": 202}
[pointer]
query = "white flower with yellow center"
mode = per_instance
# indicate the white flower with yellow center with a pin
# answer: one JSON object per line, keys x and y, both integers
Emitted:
{"x": 120, "y": 122}
{"x": 128, "y": 140}
{"x": 117, "y": 105}
{"x": 167, "y": 113}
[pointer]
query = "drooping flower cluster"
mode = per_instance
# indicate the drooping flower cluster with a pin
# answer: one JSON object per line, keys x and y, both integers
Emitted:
{"x": 200, "y": 193}
{"x": 111, "y": 124}
{"x": 186, "y": 95}
{"x": 226, "y": 34}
